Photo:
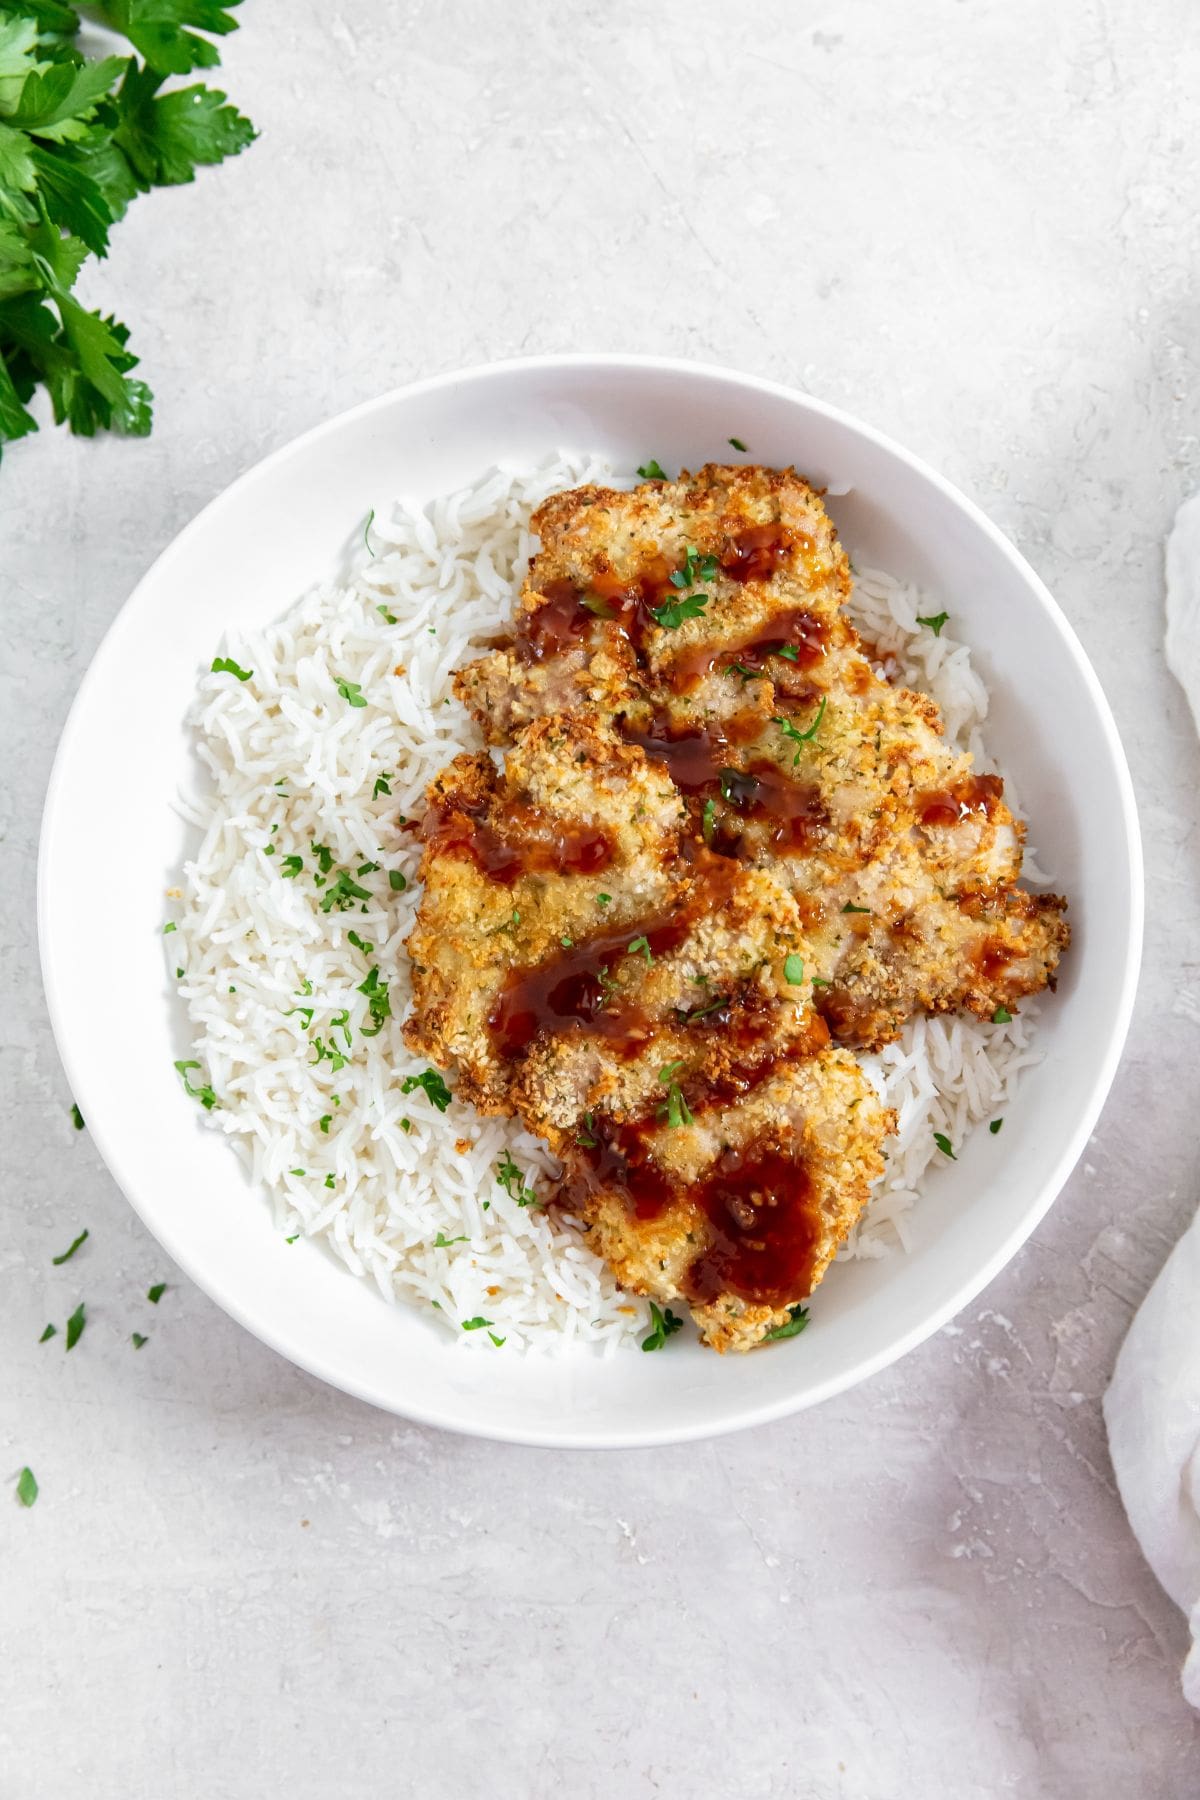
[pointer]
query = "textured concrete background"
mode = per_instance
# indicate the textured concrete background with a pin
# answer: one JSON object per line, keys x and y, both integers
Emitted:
{"x": 977, "y": 226}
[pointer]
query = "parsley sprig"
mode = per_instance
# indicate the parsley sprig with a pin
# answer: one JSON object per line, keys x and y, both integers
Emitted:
{"x": 690, "y": 602}
{"x": 79, "y": 140}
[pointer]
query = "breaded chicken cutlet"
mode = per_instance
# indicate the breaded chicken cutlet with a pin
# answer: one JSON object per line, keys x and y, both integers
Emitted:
{"x": 704, "y": 618}
{"x": 642, "y": 1004}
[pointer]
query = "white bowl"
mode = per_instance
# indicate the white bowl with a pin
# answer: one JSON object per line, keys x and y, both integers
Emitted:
{"x": 111, "y": 842}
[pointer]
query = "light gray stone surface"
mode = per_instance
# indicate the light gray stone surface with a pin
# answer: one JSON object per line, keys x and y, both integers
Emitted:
{"x": 976, "y": 226}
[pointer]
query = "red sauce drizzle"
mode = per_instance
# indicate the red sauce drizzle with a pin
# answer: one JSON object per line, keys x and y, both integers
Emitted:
{"x": 950, "y": 806}
{"x": 542, "y": 845}
{"x": 700, "y": 763}
{"x": 566, "y": 992}
{"x": 760, "y": 1205}
{"x": 755, "y": 553}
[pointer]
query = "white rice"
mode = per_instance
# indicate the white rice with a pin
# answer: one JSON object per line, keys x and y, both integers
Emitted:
{"x": 273, "y": 984}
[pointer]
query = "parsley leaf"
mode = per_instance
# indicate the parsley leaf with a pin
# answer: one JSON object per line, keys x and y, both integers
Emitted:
{"x": 796, "y": 735}
{"x": 343, "y": 893}
{"x": 665, "y": 1326}
{"x": 137, "y": 1340}
{"x": 204, "y": 1095}
{"x": 737, "y": 444}
{"x": 1002, "y": 1016}
{"x": 50, "y": 1331}
{"x": 27, "y": 1487}
{"x": 155, "y": 1294}
{"x": 290, "y": 867}
{"x": 793, "y": 969}
{"x": 793, "y": 1328}
{"x": 851, "y": 908}
{"x": 433, "y": 1085}
{"x": 652, "y": 471}
{"x": 225, "y": 665}
{"x": 396, "y": 881}
{"x": 513, "y": 1182}
{"x": 475, "y": 1324}
{"x": 77, "y": 1118}
{"x": 707, "y": 822}
{"x": 351, "y": 692}
{"x": 378, "y": 1002}
{"x": 995, "y": 1126}
{"x": 75, "y": 1325}
{"x": 69, "y": 1252}
{"x": 943, "y": 1144}
{"x": 640, "y": 946}
{"x": 935, "y": 621}
{"x": 442, "y": 1242}
{"x": 381, "y": 781}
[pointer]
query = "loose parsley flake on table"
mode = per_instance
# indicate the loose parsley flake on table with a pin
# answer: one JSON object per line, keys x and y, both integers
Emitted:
{"x": 738, "y": 444}
{"x": 27, "y": 1487}
{"x": 137, "y": 1340}
{"x": 995, "y": 1126}
{"x": 665, "y": 1326}
{"x": 69, "y": 1252}
{"x": 48, "y": 1333}
{"x": 155, "y": 1294}
{"x": 75, "y": 1325}
{"x": 77, "y": 1118}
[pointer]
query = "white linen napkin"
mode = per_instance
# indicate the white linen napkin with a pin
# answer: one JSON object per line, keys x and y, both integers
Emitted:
{"x": 1152, "y": 1407}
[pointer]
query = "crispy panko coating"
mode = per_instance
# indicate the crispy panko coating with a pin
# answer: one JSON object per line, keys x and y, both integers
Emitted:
{"x": 643, "y": 1005}
{"x": 789, "y": 750}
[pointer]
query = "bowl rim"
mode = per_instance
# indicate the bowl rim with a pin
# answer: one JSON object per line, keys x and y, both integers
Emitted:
{"x": 1042, "y": 1198}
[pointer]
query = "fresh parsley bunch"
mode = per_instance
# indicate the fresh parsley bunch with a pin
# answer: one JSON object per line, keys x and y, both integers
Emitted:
{"x": 80, "y": 139}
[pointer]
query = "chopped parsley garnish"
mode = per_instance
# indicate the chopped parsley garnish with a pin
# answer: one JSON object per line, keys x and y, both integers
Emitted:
{"x": 433, "y": 1085}
{"x": 1002, "y": 1016}
{"x": 406, "y": 1124}
{"x": 343, "y": 893}
{"x": 566, "y": 942}
{"x": 738, "y": 444}
{"x": 297, "y": 1172}
{"x": 478, "y": 1323}
{"x": 361, "y": 943}
{"x": 178, "y": 977}
{"x": 169, "y": 927}
{"x": 701, "y": 1012}
{"x": 324, "y": 856}
{"x": 388, "y": 617}
{"x": 329, "y": 1181}
{"x": 50, "y": 1331}
{"x": 367, "y": 868}
{"x": 75, "y": 1325}
{"x": 737, "y": 668}
{"x": 513, "y": 1182}
{"x": 671, "y": 1068}
{"x": 935, "y": 621}
{"x": 796, "y": 735}
{"x": 499, "y": 1342}
{"x": 396, "y": 881}
{"x": 793, "y": 969}
{"x": 995, "y": 1126}
{"x": 325, "y": 1121}
{"x": 652, "y": 471}
{"x": 603, "y": 899}
{"x": 77, "y": 1116}
{"x": 587, "y": 1135}
{"x": 665, "y": 1326}
{"x": 943, "y": 1144}
{"x": 691, "y": 603}
{"x": 204, "y": 1094}
{"x": 793, "y": 1328}
{"x": 442, "y": 1242}
{"x": 326, "y": 1052}
{"x": 672, "y": 615}
{"x": 69, "y": 1252}
{"x": 598, "y": 606}
{"x": 294, "y": 1239}
{"x": 290, "y": 867}
{"x": 378, "y": 1002}
{"x": 137, "y": 1340}
{"x": 640, "y": 946}
{"x": 367, "y": 540}
{"x": 27, "y": 1487}
{"x": 675, "y": 1111}
{"x": 351, "y": 692}
{"x": 708, "y": 821}
{"x": 851, "y": 908}
{"x": 817, "y": 982}
{"x": 155, "y": 1293}
{"x": 381, "y": 786}
{"x": 225, "y": 665}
